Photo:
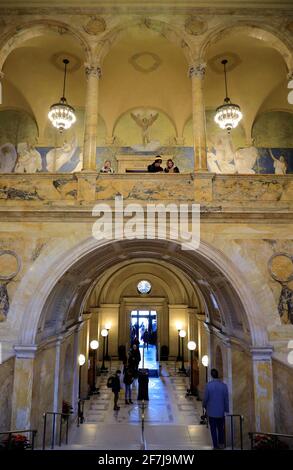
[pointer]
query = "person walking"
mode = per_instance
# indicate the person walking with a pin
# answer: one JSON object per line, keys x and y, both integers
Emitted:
{"x": 116, "y": 387}
{"x": 216, "y": 404}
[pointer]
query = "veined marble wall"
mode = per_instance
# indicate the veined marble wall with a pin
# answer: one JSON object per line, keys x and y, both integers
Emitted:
{"x": 6, "y": 387}
{"x": 283, "y": 395}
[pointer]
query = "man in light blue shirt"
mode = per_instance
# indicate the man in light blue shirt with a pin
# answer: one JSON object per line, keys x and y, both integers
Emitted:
{"x": 216, "y": 403}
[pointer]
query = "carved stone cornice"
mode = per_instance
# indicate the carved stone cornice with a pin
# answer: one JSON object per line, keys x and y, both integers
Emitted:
{"x": 93, "y": 71}
{"x": 197, "y": 70}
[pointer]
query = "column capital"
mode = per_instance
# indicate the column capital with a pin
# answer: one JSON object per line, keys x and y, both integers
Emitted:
{"x": 197, "y": 69}
{"x": 93, "y": 70}
{"x": 26, "y": 352}
{"x": 262, "y": 354}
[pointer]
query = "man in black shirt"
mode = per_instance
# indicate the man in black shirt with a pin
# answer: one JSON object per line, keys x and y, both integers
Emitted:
{"x": 156, "y": 166}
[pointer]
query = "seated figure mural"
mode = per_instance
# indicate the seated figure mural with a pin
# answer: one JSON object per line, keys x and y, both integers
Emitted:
{"x": 29, "y": 159}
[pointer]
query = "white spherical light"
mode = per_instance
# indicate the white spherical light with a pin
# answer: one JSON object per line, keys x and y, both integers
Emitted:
{"x": 81, "y": 359}
{"x": 191, "y": 345}
{"x": 94, "y": 344}
{"x": 182, "y": 333}
{"x": 205, "y": 360}
{"x": 104, "y": 332}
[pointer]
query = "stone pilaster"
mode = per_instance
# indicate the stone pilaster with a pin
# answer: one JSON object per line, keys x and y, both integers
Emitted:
{"x": 1, "y": 88}
{"x": 23, "y": 387}
{"x": 93, "y": 73}
{"x": 263, "y": 389}
{"x": 197, "y": 74}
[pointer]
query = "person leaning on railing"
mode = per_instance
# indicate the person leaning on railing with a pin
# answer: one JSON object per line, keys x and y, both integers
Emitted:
{"x": 171, "y": 168}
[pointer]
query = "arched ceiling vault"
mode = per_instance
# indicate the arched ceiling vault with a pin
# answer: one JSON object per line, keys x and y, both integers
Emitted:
{"x": 70, "y": 294}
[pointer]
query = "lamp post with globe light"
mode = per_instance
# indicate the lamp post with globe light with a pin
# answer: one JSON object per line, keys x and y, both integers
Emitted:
{"x": 205, "y": 363}
{"x": 182, "y": 334}
{"x": 178, "y": 327}
{"x": 81, "y": 362}
{"x": 104, "y": 334}
{"x": 108, "y": 327}
{"x": 191, "y": 345}
{"x": 94, "y": 344}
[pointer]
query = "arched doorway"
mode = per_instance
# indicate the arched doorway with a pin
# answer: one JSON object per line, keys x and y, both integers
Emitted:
{"x": 227, "y": 312}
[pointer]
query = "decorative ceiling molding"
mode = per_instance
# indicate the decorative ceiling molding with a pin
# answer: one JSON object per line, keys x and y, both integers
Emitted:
{"x": 137, "y": 62}
{"x": 95, "y": 26}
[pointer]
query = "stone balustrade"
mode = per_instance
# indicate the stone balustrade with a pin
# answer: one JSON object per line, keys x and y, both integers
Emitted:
{"x": 216, "y": 192}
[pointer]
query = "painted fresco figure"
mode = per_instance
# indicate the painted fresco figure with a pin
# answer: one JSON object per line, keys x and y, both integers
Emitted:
{"x": 285, "y": 306}
{"x": 280, "y": 164}
{"x": 8, "y": 158}
{"x": 29, "y": 159}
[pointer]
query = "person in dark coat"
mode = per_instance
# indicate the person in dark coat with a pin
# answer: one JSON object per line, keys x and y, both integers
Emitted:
{"x": 127, "y": 380}
{"x": 134, "y": 358}
{"x": 116, "y": 387}
{"x": 155, "y": 167}
{"x": 216, "y": 403}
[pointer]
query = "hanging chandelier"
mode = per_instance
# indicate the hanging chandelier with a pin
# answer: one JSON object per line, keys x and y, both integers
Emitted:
{"x": 228, "y": 115}
{"x": 61, "y": 114}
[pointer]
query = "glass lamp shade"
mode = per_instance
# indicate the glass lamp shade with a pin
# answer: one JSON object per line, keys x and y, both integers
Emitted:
{"x": 182, "y": 333}
{"x": 228, "y": 116}
{"x": 191, "y": 345}
{"x": 205, "y": 360}
{"x": 61, "y": 115}
{"x": 94, "y": 344}
{"x": 104, "y": 332}
{"x": 81, "y": 359}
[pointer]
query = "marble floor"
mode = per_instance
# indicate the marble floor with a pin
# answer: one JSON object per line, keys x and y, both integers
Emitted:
{"x": 171, "y": 418}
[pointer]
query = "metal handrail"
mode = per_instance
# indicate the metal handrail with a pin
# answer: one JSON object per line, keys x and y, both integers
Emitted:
{"x": 54, "y": 414}
{"x": 274, "y": 435}
{"x": 241, "y": 419}
{"x": 33, "y": 433}
{"x": 143, "y": 441}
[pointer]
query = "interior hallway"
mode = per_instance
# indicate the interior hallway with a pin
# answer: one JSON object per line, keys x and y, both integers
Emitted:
{"x": 171, "y": 418}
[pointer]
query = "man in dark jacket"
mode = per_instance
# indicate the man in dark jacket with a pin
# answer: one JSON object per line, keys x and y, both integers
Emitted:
{"x": 156, "y": 166}
{"x": 216, "y": 403}
{"x": 116, "y": 389}
{"x": 134, "y": 358}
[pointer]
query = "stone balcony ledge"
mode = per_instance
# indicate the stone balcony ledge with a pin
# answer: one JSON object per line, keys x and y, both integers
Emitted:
{"x": 268, "y": 193}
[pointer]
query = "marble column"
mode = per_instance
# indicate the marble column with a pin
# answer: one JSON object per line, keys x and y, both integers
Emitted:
{"x": 290, "y": 86}
{"x": 263, "y": 389}
{"x": 23, "y": 387}
{"x": 197, "y": 73}
{"x": 57, "y": 374}
{"x": 93, "y": 73}
{"x": 1, "y": 86}
{"x": 202, "y": 342}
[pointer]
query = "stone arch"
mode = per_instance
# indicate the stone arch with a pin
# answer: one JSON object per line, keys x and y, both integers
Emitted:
{"x": 31, "y": 297}
{"x": 254, "y": 30}
{"x": 159, "y": 273}
{"x": 168, "y": 31}
{"x": 20, "y": 33}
